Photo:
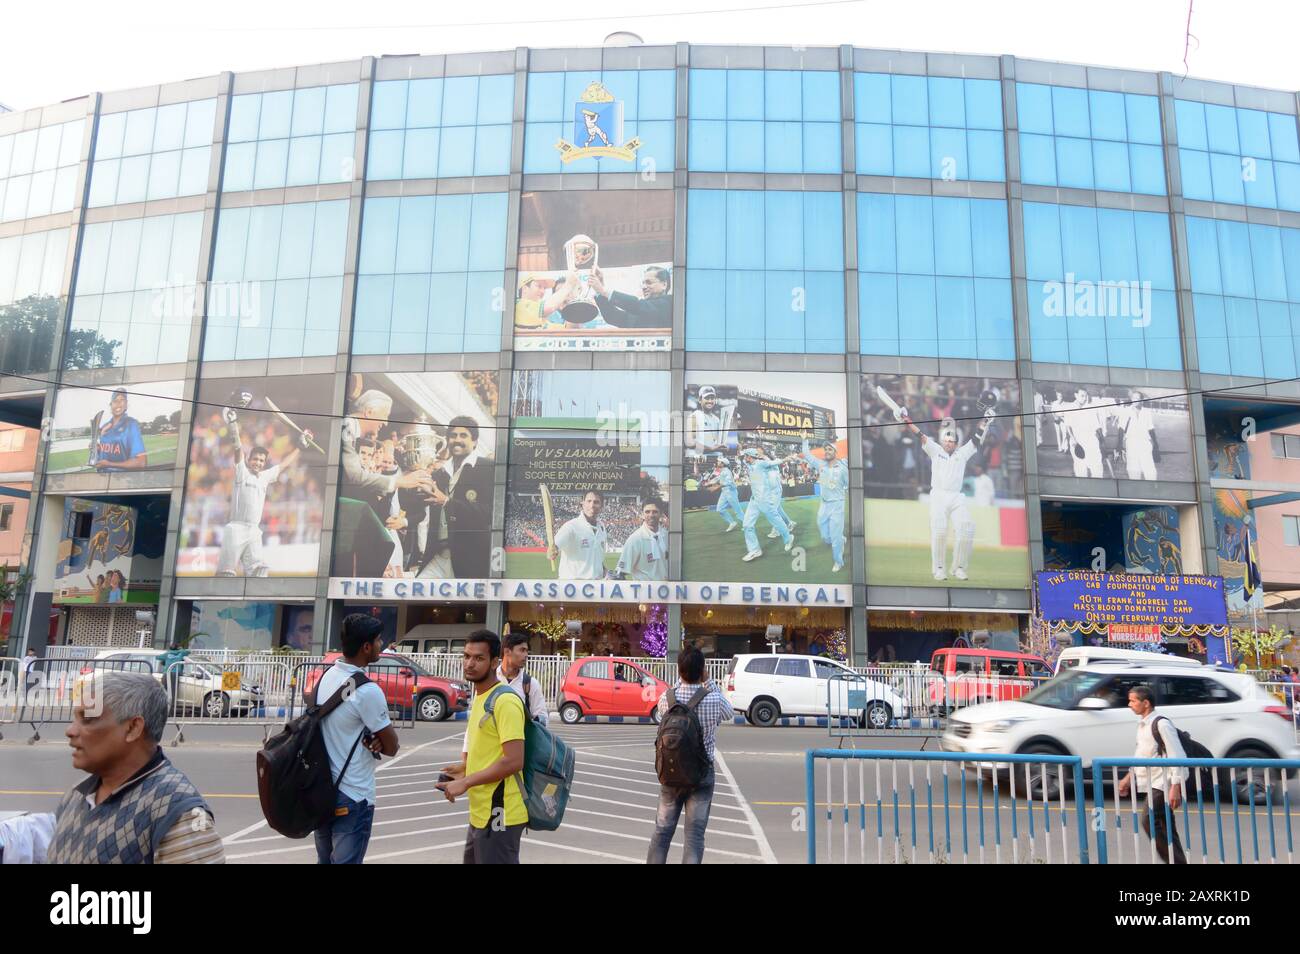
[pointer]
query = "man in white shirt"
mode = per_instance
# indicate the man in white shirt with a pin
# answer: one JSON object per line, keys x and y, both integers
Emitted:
{"x": 1138, "y": 425}
{"x": 982, "y": 488}
{"x": 645, "y": 554}
{"x": 580, "y": 543}
{"x": 728, "y": 498}
{"x": 241, "y": 537}
{"x": 947, "y": 502}
{"x": 706, "y": 426}
{"x": 1085, "y": 426}
{"x": 1158, "y": 784}
{"x": 352, "y": 732}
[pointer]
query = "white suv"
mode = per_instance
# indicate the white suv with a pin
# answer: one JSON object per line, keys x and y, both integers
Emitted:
{"x": 1084, "y": 712}
{"x": 766, "y": 687}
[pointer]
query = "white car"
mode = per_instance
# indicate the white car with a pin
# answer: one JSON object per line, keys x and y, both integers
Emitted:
{"x": 198, "y": 688}
{"x": 1084, "y": 712}
{"x": 766, "y": 687}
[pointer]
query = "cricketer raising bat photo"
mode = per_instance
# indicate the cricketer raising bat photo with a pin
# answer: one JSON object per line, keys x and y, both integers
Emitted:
{"x": 889, "y": 402}
{"x": 284, "y": 417}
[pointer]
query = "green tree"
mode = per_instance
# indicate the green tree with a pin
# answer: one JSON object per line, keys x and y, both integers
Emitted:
{"x": 27, "y": 331}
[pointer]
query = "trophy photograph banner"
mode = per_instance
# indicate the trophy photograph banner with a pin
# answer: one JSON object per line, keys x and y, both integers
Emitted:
{"x": 595, "y": 271}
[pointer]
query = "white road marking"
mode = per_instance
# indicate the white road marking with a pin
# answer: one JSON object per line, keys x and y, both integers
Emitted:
{"x": 651, "y": 821}
{"x": 643, "y": 838}
{"x": 769, "y": 856}
{"x": 423, "y": 745}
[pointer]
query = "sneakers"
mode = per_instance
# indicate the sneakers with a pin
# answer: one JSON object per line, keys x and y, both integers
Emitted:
{"x": 791, "y": 524}
{"x": 959, "y": 575}
{"x": 940, "y": 575}
{"x": 837, "y": 567}
{"x": 789, "y": 545}
{"x": 772, "y": 534}
{"x": 752, "y": 555}
{"x": 731, "y": 526}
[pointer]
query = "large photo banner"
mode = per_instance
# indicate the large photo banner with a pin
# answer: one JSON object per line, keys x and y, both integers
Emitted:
{"x": 255, "y": 482}
{"x": 943, "y": 482}
{"x": 595, "y": 271}
{"x": 115, "y": 430}
{"x": 415, "y": 492}
{"x": 1122, "y": 433}
{"x": 766, "y": 479}
{"x": 587, "y": 485}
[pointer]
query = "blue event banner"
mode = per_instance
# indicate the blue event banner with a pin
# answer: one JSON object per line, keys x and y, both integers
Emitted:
{"x": 1131, "y": 598}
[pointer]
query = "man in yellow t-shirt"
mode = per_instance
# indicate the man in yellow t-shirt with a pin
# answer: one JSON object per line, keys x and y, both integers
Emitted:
{"x": 493, "y": 761}
{"x": 535, "y": 302}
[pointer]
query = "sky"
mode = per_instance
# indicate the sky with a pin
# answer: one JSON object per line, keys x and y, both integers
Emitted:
{"x": 50, "y": 52}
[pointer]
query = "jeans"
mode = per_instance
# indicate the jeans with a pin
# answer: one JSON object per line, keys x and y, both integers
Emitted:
{"x": 698, "y": 802}
{"x": 344, "y": 840}
{"x": 1161, "y": 836}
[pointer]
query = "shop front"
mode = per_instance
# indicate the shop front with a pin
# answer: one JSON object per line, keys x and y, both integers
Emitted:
{"x": 897, "y": 636}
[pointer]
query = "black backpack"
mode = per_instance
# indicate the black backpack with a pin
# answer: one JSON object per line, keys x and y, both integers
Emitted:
{"x": 1196, "y": 778}
{"x": 680, "y": 758}
{"x": 294, "y": 782}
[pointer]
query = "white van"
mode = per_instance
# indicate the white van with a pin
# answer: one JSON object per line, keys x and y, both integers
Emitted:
{"x": 768, "y": 686}
{"x": 1076, "y": 656}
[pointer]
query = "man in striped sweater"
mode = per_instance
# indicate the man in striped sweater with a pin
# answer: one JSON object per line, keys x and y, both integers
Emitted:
{"x": 135, "y": 807}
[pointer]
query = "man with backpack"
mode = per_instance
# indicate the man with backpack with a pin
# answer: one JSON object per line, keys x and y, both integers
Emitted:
{"x": 1157, "y": 737}
{"x": 689, "y": 715}
{"x": 492, "y": 771}
{"x": 358, "y": 727}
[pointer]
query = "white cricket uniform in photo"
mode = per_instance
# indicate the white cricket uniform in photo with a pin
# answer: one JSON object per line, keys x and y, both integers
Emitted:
{"x": 645, "y": 555}
{"x": 1040, "y": 419}
{"x": 1058, "y": 408}
{"x": 1084, "y": 421}
{"x": 241, "y": 538}
{"x": 582, "y": 550}
{"x": 984, "y": 491}
{"x": 948, "y": 503}
{"x": 708, "y": 430}
{"x": 1137, "y": 422}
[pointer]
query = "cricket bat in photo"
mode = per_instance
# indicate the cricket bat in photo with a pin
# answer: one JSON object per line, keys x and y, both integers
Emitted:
{"x": 94, "y": 439}
{"x": 888, "y": 401}
{"x": 284, "y": 417}
{"x": 549, "y": 514}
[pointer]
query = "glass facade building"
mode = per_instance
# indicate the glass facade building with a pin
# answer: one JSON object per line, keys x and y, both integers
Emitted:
{"x": 381, "y": 251}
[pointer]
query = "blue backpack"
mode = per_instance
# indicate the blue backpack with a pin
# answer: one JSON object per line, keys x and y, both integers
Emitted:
{"x": 547, "y": 777}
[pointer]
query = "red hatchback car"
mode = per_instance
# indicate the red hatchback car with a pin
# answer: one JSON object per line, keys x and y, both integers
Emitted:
{"x": 406, "y": 685}
{"x": 609, "y": 686}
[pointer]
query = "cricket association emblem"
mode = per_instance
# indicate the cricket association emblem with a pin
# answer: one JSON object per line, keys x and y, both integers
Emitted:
{"x": 598, "y": 127}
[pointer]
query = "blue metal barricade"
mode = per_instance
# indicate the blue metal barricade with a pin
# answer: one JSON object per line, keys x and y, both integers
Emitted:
{"x": 1240, "y": 813}
{"x": 959, "y": 809}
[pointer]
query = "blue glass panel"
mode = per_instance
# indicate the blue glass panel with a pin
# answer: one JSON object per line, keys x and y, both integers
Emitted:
{"x": 1074, "y": 163}
{"x": 1107, "y": 114}
{"x": 706, "y": 301}
{"x": 744, "y": 224}
{"x": 657, "y": 95}
{"x": 708, "y": 94}
{"x": 745, "y": 316}
{"x": 1037, "y": 159}
{"x": 871, "y": 97}
{"x": 878, "y": 313}
{"x": 1118, "y": 244}
{"x": 821, "y": 96}
{"x": 1195, "y": 169}
{"x": 784, "y": 146}
{"x": 989, "y": 240}
{"x": 459, "y": 100}
{"x": 1070, "y": 112}
{"x": 496, "y": 99}
{"x": 1257, "y": 183}
{"x": 304, "y": 161}
{"x": 1286, "y": 176}
{"x": 745, "y": 94}
{"x": 984, "y": 104}
{"x": 783, "y": 95}
{"x": 492, "y": 151}
{"x": 1034, "y": 108}
{"x": 823, "y": 243}
{"x": 1080, "y": 253}
{"x": 1221, "y": 129}
{"x": 1043, "y": 242}
{"x": 341, "y": 108}
{"x": 876, "y": 242}
{"x": 1147, "y": 165}
{"x": 424, "y": 103}
{"x": 1282, "y": 137}
{"x": 952, "y": 237}
{"x": 912, "y": 151}
{"x": 308, "y": 113}
{"x": 1190, "y": 120}
{"x": 388, "y": 105}
{"x": 1267, "y": 262}
{"x": 745, "y": 146}
{"x": 707, "y": 145}
{"x": 948, "y": 154}
{"x": 1226, "y": 174}
{"x": 947, "y": 102}
{"x": 875, "y": 149}
{"x": 277, "y": 112}
{"x": 1110, "y": 165}
{"x": 456, "y": 151}
{"x": 1243, "y": 336}
{"x": 986, "y": 154}
{"x": 1163, "y": 340}
{"x": 909, "y": 100}
{"x": 1252, "y": 129}
{"x": 385, "y": 160}
{"x": 1203, "y": 255}
{"x": 706, "y": 235}
{"x": 1143, "y": 115}
{"x": 545, "y": 101}
{"x": 917, "y": 316}
{"x": 272, "y": 160}
{"x": 915, "y": 229}
{"x": 1154, "y": 249}
{"x": 783, "y": 227}
{"x": 821, "y": 148}
{"x": 1234, "y": 259}
{"x": 994, "y": 325}
{"x": 955, "y": 301}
